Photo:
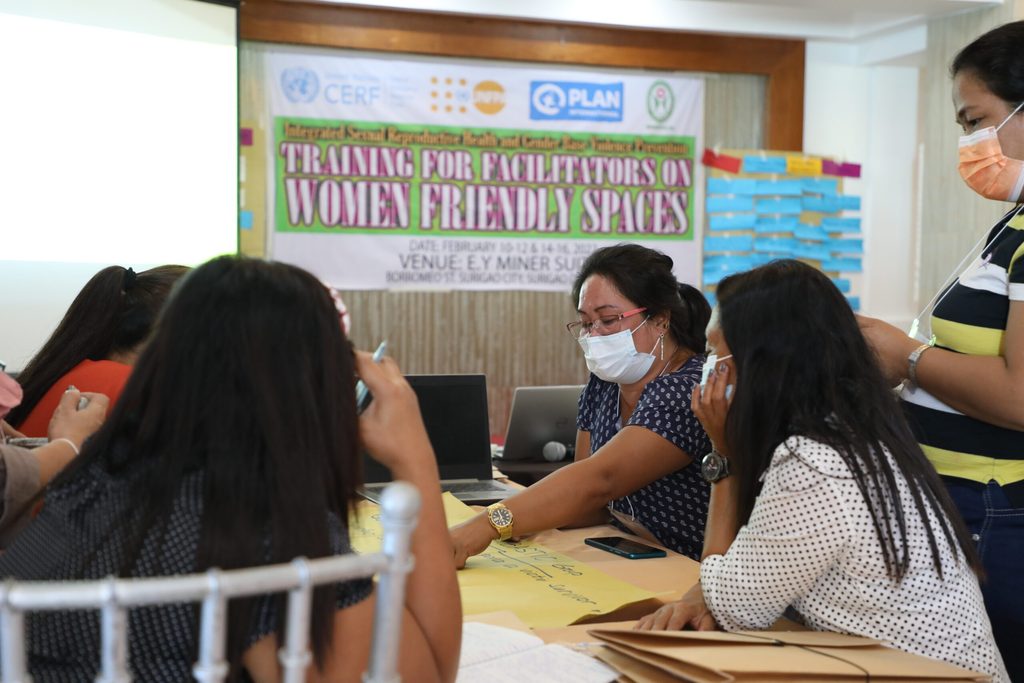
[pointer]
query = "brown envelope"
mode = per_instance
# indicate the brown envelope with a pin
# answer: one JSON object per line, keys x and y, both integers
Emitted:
{"x": 713, "y": 656}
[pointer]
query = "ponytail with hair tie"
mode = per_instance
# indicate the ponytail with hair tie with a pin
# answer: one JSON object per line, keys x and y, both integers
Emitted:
{"x": 129, "y": 279}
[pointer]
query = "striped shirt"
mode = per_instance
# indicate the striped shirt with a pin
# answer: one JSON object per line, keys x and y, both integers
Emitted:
{"x": 971, "y": 318}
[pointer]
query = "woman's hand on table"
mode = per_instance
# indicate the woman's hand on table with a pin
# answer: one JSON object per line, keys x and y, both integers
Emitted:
{"x": 891, "y": 345}
{"x": 471, "y": 538}
{"x": 690, "y": 612}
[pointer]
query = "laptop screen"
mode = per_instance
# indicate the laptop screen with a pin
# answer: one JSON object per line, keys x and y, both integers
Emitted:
{"x": 540, "y": 415}
{"x": 454, "y": 409}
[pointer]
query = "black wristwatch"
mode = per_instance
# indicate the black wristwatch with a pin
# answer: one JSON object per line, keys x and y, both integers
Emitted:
{"x": 714, "y": 467}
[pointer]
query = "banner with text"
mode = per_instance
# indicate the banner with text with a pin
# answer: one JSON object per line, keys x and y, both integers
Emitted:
{"x": 449, "y": 174}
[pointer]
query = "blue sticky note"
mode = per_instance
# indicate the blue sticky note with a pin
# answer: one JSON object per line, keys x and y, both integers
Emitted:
{"x": 820, "y": 185}
{"x": 729, "y": 204}
{"x": 775, "y": 245}
{"x": 842, "y": 265}
{"x": 841, "y": 284}
{"x": 727, "y": 263}
{"x": 854, "y": 302}
{"x": 245, "y": 220}
{"x": 758, "y": 164}
{"x": 810, "y": 232}
{"x": 791, "y": 188}
{"x": 730, "y": 243}
{"x": 833, "y": 224}
{"x": 810, "y": 250}
{"x": 739, "y": 221}
{"x": 775, "y": 223}
{"x": 716, "y": 262}
{"x": 839, "y": 246}
{"x": 710, "y": 296}
{"x": 779, "y": 206}
{"x": 713, "y": 277}
{"x": 849, "y": 202}
{"x": 821, "y": 204}
{"x": 761, "y": 259}
{"x": 731, "y": 186}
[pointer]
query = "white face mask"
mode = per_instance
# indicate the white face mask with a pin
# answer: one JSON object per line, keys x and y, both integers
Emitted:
{"x": 614, "y": 358}
{"x": 709, "y": 366}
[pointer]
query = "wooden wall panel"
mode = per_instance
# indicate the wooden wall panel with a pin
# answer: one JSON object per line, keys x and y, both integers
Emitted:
{"x": 515, "y": 338}
{"x": 781, "y": 61}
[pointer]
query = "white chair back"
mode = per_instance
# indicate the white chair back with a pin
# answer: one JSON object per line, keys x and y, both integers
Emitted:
{"x": 113, "y": 597}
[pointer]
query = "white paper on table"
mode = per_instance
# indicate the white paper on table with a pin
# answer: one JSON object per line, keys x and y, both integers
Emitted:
{"x": 492, "y": 654}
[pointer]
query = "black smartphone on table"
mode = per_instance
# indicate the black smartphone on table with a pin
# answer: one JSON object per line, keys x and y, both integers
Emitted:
{"x": 624, "y": 547}
{"x": 363, "y": 395}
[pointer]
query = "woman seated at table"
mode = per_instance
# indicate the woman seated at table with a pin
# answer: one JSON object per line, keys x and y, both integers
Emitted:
{"x": 822, "y": 501}
{"x": 95, "y": 344}
{"x": 235, "y": 444}
{"x": 642, "y": 334}
{"x": 24, "y": 471}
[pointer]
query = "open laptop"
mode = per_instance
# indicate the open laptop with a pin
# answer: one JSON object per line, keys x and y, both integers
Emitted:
{"x": 540, "y": 415}
{"x": 454, "y": 409}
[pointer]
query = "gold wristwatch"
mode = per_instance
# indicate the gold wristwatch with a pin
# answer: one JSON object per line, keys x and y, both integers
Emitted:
{"x": 501, "y": 519}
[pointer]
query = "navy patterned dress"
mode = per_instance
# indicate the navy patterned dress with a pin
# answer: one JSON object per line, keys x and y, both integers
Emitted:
{"x": 674, "y": 508}
{"x": 64, "y": 646}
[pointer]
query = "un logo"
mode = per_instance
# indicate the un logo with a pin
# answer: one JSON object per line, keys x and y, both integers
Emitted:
{"x": 299, "y": 84}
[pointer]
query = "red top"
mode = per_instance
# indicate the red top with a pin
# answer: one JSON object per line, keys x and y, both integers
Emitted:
{"x": 98, "y": 376}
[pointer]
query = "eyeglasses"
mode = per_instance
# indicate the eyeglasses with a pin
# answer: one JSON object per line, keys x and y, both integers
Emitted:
{"x": 609, "y": 323}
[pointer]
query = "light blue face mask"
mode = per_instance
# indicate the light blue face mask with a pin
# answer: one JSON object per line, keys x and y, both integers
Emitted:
{"x": 614, "y": 358}
{"x": 709, "y": 367}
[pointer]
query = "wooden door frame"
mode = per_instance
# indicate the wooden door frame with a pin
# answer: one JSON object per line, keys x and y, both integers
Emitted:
{"x": 448, "y": 35}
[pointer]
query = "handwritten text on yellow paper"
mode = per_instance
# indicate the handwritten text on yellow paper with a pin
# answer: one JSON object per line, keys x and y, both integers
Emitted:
{"x": 542, "y": 587}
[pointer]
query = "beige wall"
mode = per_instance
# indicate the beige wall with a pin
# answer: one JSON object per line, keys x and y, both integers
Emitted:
{"x": 515, "y": 338}
{"x": 952, "y": 216}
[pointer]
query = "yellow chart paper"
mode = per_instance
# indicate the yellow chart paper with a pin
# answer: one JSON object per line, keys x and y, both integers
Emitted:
{"x": 543, "y": 588}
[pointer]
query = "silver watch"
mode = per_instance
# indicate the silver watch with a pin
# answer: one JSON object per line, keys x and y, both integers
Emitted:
{"x": 714, "y": 467}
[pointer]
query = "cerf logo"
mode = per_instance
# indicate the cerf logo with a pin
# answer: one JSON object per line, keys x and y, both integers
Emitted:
{"x": 489, "y": 97}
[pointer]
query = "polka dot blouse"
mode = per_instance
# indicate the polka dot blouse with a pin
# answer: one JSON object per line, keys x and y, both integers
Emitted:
{"x": 65, "y": 645}
{"x": 810, "y": 545}
{"x": 675, "y": 507}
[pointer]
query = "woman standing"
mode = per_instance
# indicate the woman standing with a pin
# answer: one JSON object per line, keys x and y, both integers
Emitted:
{"x": 964, "y": 396}
{"x": 642, "y": 334}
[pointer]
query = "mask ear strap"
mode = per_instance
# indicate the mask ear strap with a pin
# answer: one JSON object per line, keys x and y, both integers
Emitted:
{"x": 1010, "y": 116}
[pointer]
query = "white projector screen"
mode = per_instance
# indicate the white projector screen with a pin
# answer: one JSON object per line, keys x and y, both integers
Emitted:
{"x": 120, "y": 127}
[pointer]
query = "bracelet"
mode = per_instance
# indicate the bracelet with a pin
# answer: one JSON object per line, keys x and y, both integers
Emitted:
{"x": 68, "y": 442}
{"x": 912, "y": 361}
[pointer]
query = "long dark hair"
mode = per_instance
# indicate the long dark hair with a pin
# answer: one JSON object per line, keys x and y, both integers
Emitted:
{"x": 113, "y": 313}
{"x": 644, "y": 276}
{"x": 997, "y": 59}
{"x": 804, "y": 368}
{"x": 249, "y": 379}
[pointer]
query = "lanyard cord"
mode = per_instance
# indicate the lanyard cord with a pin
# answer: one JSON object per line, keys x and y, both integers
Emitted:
{"x": 947, "y": 284}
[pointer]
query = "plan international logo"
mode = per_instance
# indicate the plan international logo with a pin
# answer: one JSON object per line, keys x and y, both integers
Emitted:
{"x": 575, "y": 101}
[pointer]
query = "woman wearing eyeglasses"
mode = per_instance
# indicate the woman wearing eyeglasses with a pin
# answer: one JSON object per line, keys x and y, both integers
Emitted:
{"x": 642, "y": 335}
